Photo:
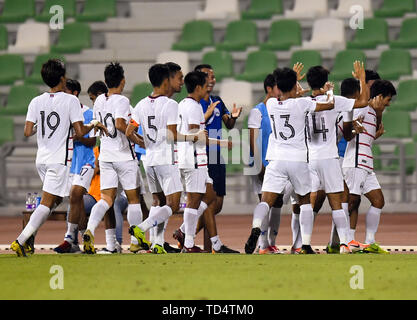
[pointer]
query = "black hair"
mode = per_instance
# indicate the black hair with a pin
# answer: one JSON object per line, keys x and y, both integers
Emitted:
{"x": 203, "y": 66}
{"x": 350, "y": 87}
{"x": 317, "y": 77}
{"x": 157, "y": 74}
{"x": 113, "y": 75}
{"x": 173, "y": 68}
{"x": 285, "y": 78}
{"x": 73, "y": 85}
{"x": 97, "y": 88}
{"x": 269, "y": 82}
{"x": 194, "y": 79}
{"x": 383, "y": 87}
{"x": 371, "y": 75}
{"x": 52, "y": 72}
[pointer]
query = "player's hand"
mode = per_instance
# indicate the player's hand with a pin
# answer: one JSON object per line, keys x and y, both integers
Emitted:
{"x": 300, "y": 91}
{"x": 201, "y": 136}
{"x": 359, "y": 70}
{"x": 236, "y": 111}
{"x": 358, "y": 127}
{"x": 103, "y": 130}
{"x": 210, "y": 108}
{"x": 377, "y": 104}
{"x": 298, "y": 68}
{"x": 380, "y": 131}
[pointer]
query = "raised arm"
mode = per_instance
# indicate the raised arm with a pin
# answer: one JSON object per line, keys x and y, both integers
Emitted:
{"x": 359, "y": 73}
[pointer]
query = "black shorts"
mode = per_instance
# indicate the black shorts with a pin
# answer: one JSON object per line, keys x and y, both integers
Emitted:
{"x": 218, "y": 173}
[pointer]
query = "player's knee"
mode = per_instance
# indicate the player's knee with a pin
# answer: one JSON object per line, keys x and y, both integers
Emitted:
{"x": 354, "y": 203}
{"x": 76, "y": 195}
{"x": 108, "y": 199}
{"x": 378, "y": 202}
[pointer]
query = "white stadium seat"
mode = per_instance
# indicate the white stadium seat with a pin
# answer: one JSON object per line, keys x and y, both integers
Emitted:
{"x": 219, "y": 9}
{"x": 308, "y": 9}
{"x": 179, "y": 57}
{"x": 32, "y": 37}
{"x": 322, "y": 39}
{"x": 343, "y": 10}
{"x": 237, "y": 92}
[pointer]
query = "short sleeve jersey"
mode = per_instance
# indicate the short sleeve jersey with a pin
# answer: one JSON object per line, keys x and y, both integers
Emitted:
{"x": 54, "y": 114}
{"x": 259, "y": 119}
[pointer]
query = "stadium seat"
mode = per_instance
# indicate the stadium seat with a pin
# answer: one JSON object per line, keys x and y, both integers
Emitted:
{"x": 396, "y": 124}
{"x": 12, "y": 68}
{"x": 4, "y": 37}
{"x": 221, "y": 62}
{"x": 406, "y": 99}
{"x": 343, "y": 64}
{"x": 279, "y": 40}
{"x": 322, "y": 39}
{"x": 6, "y": 130}
{"x": 195, "y": 36}
{"x": 408, "y": 35}
{"x": 395, "y": 8}
{"x": 410, "y": 164}
{"x": 394, "y": 63}
{"x": 239, "y": 35}
{"x": 307, "y": 9}
{"x": 309, "y": 58}
{"x": 178, "y": 57}
{"x": 140, "y": 91}
{"x": 181, "y": 95}
{"x": 35, "y": 77}
{"x": 97, "y": 10}
{"x": 258, "y": 65}
{"x": 237, "y": 92}
{"x": 344, "y": 7}
{"x": 376, "y": 152}
{"x": 375, "y": 32}
{"x": 219, "y": 10}
{"x": 32, "y": 38}
{"x": 263, "y": 9}
{"x": 18, "y": 100}
{"x": 17, "y": 11}
{"x": 73, "y": 38}
{"x": 68, "y": 6}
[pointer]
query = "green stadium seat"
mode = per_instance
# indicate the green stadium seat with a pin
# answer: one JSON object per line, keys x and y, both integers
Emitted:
{"x": 17, "y": 11}
{"x": 410, "y": 164}
{"x": 97, "y": 11}
{"x": 140, "y": 91}
{"x": 258, "y": 65}
{"x": 12, "y": 68}
{"x": 6, "y": 130}
{"x": 239, "y": 35}
{"x": 18, "y": 100}
{"x": 375, "y": 32}
{"x": 343, "y": 64}
{"x": 181, "y": 95}
{"x": 36, "y": 77}
{"x": 396, "y": 124}
{"x": 222, "y": 63}
{"x": 394, "y": 63}
{"x": 73, "y": 38}
{"x": 279, "y": 40}
{"x": 406, "y": 99}
{"x": 395, "y": 8}
{"x": 376, "y": 152}
{"x": 68, "y": 6}
{"x": 408, "y": 35}
{"x": 336, "y": 89}
{"x": 195, "y": 36}
{"x": 4, "y": 38}
{"x": 309, "y": 58}
{"x": 263, "y": 9}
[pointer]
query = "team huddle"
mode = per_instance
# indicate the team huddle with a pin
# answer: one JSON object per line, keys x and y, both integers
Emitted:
{"x": 302, "y": 147}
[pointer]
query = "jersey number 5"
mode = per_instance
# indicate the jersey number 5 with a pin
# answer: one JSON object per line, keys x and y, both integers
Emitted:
{"x": 151, "y": 126}
{"x": 52, "y": 124}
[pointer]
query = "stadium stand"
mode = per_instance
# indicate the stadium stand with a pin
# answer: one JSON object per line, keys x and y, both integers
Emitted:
{"x": 394, "y": 63}
{"x": 73, "y": 38}
{"x": 342, "y": 65}
{"x": 308, "y": 9}
{"x": 195, "y": 36}
{"x": 221, "y": 61}
{"x": 12, "y": 68}
{"x": 4, "y": 38}
{"x": 140, "y": 91}
{"x": 19, "y": 99}
{"x": 263, "y": 9}
{"x": 237, "y": 92}
{"x": 344, "y": 8}
{"x": 6, "y": 130}
{"x": 407, "y": 96}
{"x": 35, "y": 77}
{"x": 374, "y": 33}
{"x": 322, "y": 39}
{"x": 394, "y": 8}
{"x": 397, "y": 124}
{"x": 240, "y": 34}
{"x": 219, "y": 10}
{"x": 408, "y": 35}
{"x": 69, "y": 7}
{"x": 32, "y": 38}
{"x": 178, "y": 57}
{"x": 97, "y": 10}
{"x": 258, "y": 65}
{"x": 309, "y": 58}
{"x": 15, "y": 11}
{"x": 279, "y": 40}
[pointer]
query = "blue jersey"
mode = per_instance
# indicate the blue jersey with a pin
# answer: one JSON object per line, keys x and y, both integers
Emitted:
{"x": 262, "y": 140}
{"x": 139, "y": 151}
{"x": 83, "y": 155}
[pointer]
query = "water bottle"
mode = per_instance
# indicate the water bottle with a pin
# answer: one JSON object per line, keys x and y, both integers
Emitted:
{"x": 29, "y": 202}
{"x": 37, "y": 199}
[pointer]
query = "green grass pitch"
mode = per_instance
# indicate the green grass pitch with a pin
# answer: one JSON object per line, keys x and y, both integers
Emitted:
{"x": 207, "y": 276}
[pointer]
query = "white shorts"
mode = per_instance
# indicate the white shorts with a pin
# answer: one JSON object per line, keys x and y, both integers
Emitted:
{"x": 84, "y": 178}
{"x": 196, "y": 179}
{"x": 360, "y": 181}
{"x": 166, "y": 179}
{"x": 326, "y": 175}
{"x": 124, "y": 171}
{"x": 278, "y": 173}
{"x": 55, "y": 178}
{"x": 289, "y": 194}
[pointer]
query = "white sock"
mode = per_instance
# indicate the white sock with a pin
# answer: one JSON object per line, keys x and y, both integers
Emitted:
{"x": 334, "y": 236}
{"x": 159, "y": 215}
{"x": 152, "y": 231}
{"x": 351, "y": 234}
{"x": 345, "y": 207}
{"x": 71, "y": 232}
{"x": 263, "y": 238}
{"x": 274, "y": 222}
{"x": 111, "y": 239}
{"x": 200, "y": 211}
{"x": 216, "y": 243}
{"x": 339, "y": 219}
{"x": 159, "y": 238}
{"x": 190, "y": 224}
{"x": 261, "y": 211}
{"x": 97, "y": 213}
{"x": 37, "y": 219}
{"x": 134, "y": 217}
{"x": 372, "y": 222}
{"x": 295, "y": 227}
{"x": 306, "y": 223}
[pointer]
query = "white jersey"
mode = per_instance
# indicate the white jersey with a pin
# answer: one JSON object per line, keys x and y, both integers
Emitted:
{"x": 190, "y": 154}
{"x": 288, "y": 140}
{"x": 115, "y": 147}
{"x": 359, "y": 150}
{"x": 322, "y": 128}
{"x": 154, "y": 114}
{"x": 54, "y": 114}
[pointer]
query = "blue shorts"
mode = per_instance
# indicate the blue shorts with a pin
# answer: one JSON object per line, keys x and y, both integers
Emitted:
{"x": 218, "y": 173}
